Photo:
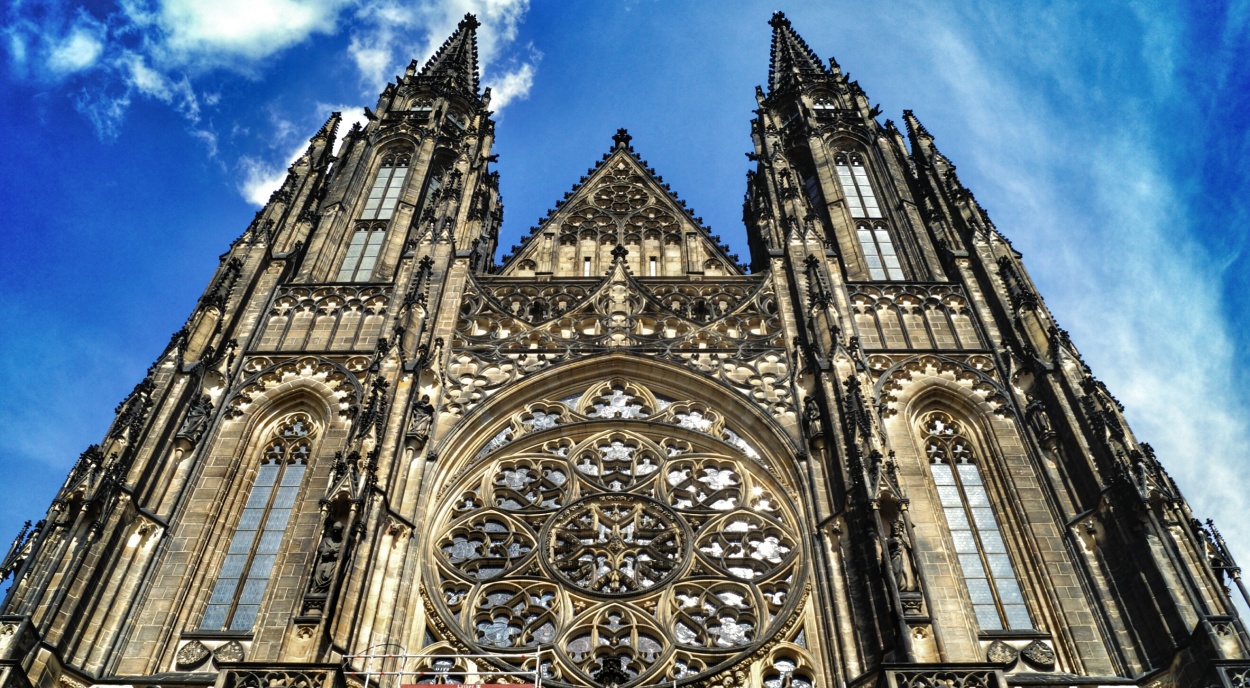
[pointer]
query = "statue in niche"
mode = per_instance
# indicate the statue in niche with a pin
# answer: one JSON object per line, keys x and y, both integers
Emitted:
{"x": 196, "y": 422}
{"x": 327, "y": 558}
{"x": 900, "y": 557}
{"x": 811, "y": 412}
{"x": 422, "y": 419}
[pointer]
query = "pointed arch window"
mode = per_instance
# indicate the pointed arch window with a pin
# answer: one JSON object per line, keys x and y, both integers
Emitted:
{"x": 387, "y": 185}
{"x": 879, "y": 252}
{"x": 254, "y": 548}
{"x": 983, "y": 559}
{"x": 362, "y": 252}
{"x": 853, "y": 177}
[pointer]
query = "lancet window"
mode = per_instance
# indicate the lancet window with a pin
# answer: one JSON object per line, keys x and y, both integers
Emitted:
{"x": 983, "y": 559}
{"x": 879, "y": 253}
{"x": 853, "y": 177}
{"x": 384, "y": 194}
{"x": 369, "y": 234}
{"x": 257, "y": 540}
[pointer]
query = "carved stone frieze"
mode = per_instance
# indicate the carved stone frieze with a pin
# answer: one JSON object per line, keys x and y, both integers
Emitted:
{"x": 335, "y": 317}
{"x": 729, "y": 331}
{"x": 913, "y": 316}
{"x": 340, "y": 375}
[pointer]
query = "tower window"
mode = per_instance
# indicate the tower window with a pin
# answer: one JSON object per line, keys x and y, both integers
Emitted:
{"x": 257, "y": 541}
{"x": 983, "y": 559}
{"x": 362, "y": 252}
{"x": 384, "y": 194}
{"x": 585, "y": 267}
{"x": 856, "y": 187}
{"x": 879, "y": 253}
{"x": 654, "y": 264}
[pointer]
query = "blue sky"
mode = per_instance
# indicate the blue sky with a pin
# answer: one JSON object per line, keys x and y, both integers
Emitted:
{"x": 1107, "y": 140}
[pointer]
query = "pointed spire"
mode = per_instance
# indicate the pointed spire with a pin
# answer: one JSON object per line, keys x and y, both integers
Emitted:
{"x": 454, "y": 64}
{"x": 791, "y": 59}
{"x": 921, "y": 140}
{"x": 330, "y": 129}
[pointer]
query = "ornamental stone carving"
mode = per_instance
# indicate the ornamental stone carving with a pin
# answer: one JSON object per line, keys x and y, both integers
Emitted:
{"x": 633, "y": 537}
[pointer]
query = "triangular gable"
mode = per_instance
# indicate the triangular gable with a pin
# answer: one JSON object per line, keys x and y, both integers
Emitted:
{"x": 620, "y": 202}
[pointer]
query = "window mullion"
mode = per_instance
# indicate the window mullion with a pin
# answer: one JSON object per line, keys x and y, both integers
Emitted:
{"x": 260, "y": 533}
{"x": 980, "y": 543}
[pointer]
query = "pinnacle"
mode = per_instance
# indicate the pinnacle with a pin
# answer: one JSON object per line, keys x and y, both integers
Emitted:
{"x": 622, "y": 138}
{"x": 790, "y": 57}
{"x": 914, "y": 127}
{"x": 454, "y": 64}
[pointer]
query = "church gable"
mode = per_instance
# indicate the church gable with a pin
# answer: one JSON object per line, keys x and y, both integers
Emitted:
{"x": 620, "y": 202}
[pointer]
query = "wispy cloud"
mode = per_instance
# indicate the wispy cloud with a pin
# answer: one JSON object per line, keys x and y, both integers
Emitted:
{"x": 390, "y": 33}
{"x": 159, "y": 49}
{"x": 1140, "y": 296}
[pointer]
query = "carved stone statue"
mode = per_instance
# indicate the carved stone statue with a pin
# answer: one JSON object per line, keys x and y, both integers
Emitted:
{"x": 422, "y": 419}
{"x": 196, "y": 422}
{"x": 327, "y": 558}
{"x": 900, "y": 557}
{"x": 811, "y": 413}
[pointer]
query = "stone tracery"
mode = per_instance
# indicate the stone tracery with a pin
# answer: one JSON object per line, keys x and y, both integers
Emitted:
{"x": 623, "y": 536}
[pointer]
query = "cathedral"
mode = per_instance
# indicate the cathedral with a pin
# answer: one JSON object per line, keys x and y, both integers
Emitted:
{"x": 375, "y": 457}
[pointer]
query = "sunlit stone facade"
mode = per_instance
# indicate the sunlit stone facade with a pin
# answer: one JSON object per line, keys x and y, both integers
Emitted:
{"x": 376, "y": 456}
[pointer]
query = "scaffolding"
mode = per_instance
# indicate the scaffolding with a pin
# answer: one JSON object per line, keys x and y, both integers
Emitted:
{"x": 381, "y": 667}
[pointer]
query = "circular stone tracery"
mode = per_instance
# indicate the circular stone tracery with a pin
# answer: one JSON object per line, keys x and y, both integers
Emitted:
{"x": 623, "y": 540}
{"x": 615, "y": 544}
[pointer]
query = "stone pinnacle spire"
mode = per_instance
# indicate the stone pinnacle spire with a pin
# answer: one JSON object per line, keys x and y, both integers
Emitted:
{"x": 790, "y": 58}
{"x": 454, "y": 64}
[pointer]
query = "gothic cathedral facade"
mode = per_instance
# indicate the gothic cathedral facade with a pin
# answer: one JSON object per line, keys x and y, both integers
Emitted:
{"x": 373, "y": 455}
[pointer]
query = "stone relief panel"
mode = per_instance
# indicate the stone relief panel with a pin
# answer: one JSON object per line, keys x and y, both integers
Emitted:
{"x": 729, "y": 330}
{"x": 337, "y": 317}
{"x": 622, "y": 204}
{"x": 625, "y": 531}
{"x": 913, "y": 316}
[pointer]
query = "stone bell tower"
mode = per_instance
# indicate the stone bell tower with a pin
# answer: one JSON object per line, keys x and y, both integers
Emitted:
{"x": 620, "y": 457}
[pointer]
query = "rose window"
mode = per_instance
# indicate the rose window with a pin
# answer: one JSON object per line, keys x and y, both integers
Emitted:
{"x": 626, "y": 536}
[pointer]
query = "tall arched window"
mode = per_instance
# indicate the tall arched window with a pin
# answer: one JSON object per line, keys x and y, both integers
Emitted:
{"x": 853, "y": 177}
{"x": 879, "y": 253}
{"x": 249, "y": 562}
{"x": 370, "y": 233}
{"x": 983, "y": 558}
{"x": 384, "y": 195}
{"x": 362, "y": 253}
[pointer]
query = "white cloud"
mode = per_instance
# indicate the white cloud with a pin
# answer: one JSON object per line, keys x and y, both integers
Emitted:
{"x": 1090, "y": 198}
{"x": 77, "y": 51}
{"x": 260, "y": 178}
{"x": 392, "y": 33}
{"x": 209, "y": 34}
{"x": 510, "y": 86}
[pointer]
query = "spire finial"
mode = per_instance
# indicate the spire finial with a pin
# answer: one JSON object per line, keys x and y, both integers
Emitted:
{"x": 790, "y": 60}
{"x": 622, "y": 138}
{"x": 454, "y": 64}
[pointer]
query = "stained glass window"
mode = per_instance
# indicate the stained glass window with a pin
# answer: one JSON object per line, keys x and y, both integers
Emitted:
{"x": 853, "y": 177}
{"x": 983, "y": 559}
{"x": 257, "y": 540}
{"x": 879, "y": 253}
